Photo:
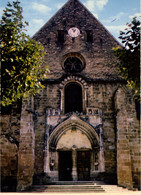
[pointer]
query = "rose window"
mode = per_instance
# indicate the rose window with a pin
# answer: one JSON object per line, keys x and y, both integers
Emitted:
{"x": 73, "y": 64}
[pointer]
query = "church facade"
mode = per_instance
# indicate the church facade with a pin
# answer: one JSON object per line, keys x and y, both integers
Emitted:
{"x": 82, "y": 126}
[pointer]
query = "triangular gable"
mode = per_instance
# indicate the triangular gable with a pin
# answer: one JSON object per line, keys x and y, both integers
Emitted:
{"x": 76, "y": 8}
{"x": 100, "y": 61}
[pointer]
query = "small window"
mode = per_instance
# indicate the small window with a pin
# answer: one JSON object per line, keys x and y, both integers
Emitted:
{"x": 89, "y": 36}
{"x": 48, "y": 40}
{"x": 60, "y": 36}
{"x": 138, "y": 106}
{"x": 101, "y": 42}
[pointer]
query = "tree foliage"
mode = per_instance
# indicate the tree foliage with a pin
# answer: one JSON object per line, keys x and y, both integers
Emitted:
{"x": 21, "y": 57}
{"x": 129, "y": 56}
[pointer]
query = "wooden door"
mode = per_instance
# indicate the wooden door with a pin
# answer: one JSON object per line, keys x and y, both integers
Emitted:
{"x": 65, "y": 165}
{"x": 83, "y": 165}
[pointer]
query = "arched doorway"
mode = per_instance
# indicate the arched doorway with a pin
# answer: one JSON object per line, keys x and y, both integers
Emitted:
{"x": 73, "y": 97}
{"x": 74, "y": 151}
{"x": 74, "y": 147}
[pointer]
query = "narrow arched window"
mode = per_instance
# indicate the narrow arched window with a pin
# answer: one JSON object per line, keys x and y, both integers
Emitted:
{"x": 73, "y": 98}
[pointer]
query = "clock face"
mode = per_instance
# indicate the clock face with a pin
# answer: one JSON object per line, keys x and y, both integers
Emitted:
{"x": 74, "y": 32}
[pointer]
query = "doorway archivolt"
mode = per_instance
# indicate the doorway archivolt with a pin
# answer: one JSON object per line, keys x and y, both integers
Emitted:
{"x": 70, "y": 128}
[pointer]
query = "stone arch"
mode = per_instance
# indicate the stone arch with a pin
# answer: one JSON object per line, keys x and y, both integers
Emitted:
{"x": 73, "y": 123}
{"x": 73, "y": 79}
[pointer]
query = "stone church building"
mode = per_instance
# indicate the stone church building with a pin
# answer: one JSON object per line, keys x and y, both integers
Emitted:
{"x": 82, "y": 126}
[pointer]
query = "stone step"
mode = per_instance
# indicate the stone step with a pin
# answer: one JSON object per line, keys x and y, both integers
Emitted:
{"x": 67, "y": 188}
{"x": 92, "y": 187}
{"x": 76, "y": 183}
{"x": 115, "y": 188}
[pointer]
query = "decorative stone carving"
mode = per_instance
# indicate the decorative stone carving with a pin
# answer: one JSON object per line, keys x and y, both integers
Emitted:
{"x": 73, "y": 78}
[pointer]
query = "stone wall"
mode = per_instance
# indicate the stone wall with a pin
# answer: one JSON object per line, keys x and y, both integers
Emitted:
{"x": 9, "y": 163}
{"x": 9, "y": 145}
{"x": 128, "y": 140}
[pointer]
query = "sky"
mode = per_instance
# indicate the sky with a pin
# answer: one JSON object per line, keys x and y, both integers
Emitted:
{"x": 113, "y": 14}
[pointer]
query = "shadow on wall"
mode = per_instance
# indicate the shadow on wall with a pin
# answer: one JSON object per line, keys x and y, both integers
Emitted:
{"x": 8, "y": 183}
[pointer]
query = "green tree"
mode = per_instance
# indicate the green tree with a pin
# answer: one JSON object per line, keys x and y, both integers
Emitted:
{"x": 129, "y": 56}
{"x": 21, "y": 57}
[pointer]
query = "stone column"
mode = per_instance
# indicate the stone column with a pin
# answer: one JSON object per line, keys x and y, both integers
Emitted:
{"x": 46, "y": 161}
{"x": 62, "y": 101}
{"x": 74, "y": 165}
{"x": 46, "y": 152}
{"x": 85, "y": 98}
{"x": 26, "y": 146}
{"x": 56, "y": 161}
{"x": 101, "y": 153}
{"x": 92, "y": 161}
{"x": 124, "y": 164}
